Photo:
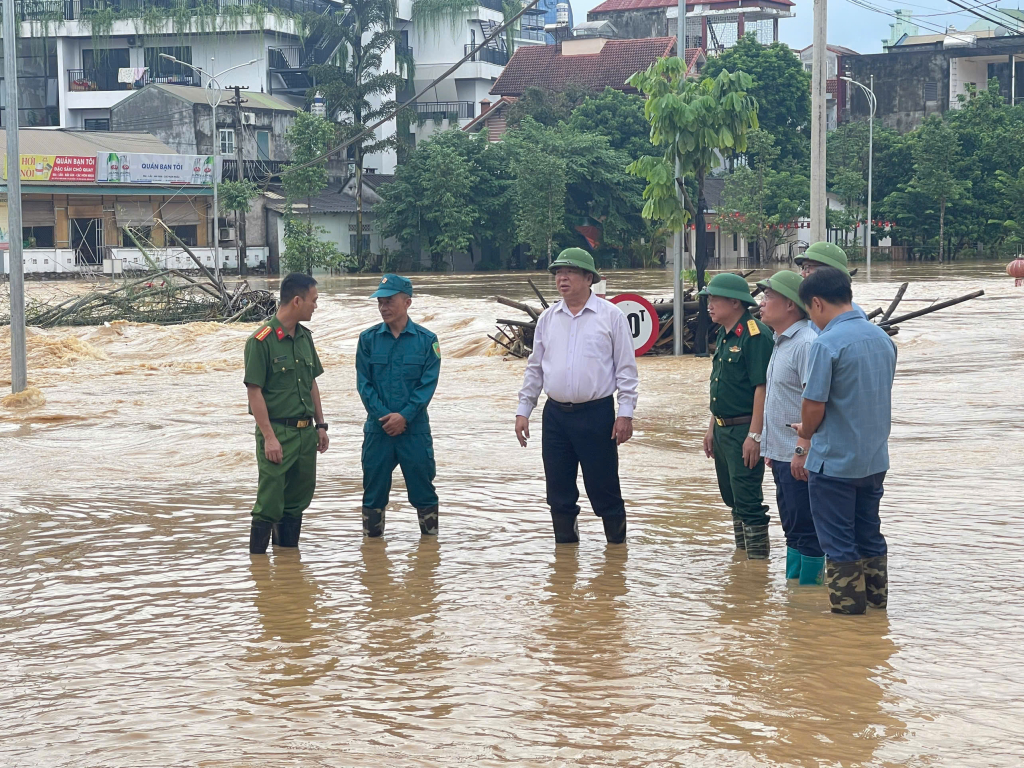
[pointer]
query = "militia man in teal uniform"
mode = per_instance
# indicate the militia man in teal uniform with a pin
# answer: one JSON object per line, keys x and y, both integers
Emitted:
{"x": 739, "y": 375}
{"x": 281, "y": 368}
{"x": 397, "y": 366}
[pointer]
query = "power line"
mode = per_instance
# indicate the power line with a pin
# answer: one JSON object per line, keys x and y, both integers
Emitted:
{"x": 974, "y": 11}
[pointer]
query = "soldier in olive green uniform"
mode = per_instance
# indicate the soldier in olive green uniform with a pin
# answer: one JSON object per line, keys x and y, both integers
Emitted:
{"x": 281, "y": 367}
{"x": 739, "y": 374}
{"x": 397, "y": 367}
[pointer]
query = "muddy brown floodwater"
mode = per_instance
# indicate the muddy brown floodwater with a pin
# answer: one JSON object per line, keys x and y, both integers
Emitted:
{"x": 137, "y": 631}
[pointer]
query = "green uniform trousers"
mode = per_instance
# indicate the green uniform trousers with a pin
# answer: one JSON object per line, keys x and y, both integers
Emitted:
{"x": 414, "y": 453}
{"x": 740, "y": 486}
{"x": 286, "y": 489}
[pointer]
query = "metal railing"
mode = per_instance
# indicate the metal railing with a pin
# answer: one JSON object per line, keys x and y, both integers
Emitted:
{"x": 490, "y": 55}
{"x": 254, "y": 170}
{"x": 464, "y": 110}
{"x": 83, "y": 80}
{"x": 528, "y": 33}
{"x": 70, "y": 10}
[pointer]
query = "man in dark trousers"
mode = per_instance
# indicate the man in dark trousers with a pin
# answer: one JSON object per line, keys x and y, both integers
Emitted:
{"x": 582, "y": 354}
{"x": 739, "y": 371}
{"x": 847, "y": 414}
{"x": 397, "y": 366}
{"x": 281, "y": 367}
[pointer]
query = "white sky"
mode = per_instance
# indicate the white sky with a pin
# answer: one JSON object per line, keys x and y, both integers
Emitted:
{"x": 851, "y": 25}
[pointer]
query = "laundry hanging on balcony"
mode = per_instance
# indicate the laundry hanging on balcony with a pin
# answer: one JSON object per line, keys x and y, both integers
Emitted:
{"x": 131, "y": 75}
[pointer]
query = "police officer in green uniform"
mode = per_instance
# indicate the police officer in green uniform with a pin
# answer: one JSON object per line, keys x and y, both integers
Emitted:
{"x": 739, "y": 375}
{"x": 281, "y": 367}
{"x": 397, "y": 366}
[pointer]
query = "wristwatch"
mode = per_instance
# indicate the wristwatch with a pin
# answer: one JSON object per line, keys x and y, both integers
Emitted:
{"x": 755, "y": 436}
{"x": 800, "y": 451}
{"x": 322, "y": 426}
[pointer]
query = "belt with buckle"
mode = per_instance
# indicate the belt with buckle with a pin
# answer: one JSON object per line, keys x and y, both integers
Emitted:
{"x": 300, "y": 423}
{"x": 573, "y": 407}
{"x": 733, "y": 421}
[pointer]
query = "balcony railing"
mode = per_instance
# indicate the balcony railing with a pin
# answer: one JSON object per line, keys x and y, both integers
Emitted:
{"x": 490, "y": 55}
{"x": 255, "y": 170}
{"x": 464, "y": 110}
{"x": 70, "y": 10}
{"x": 403, "y": 50}
{"x": 84, "y": 80}
{"x": 527, "y": 33}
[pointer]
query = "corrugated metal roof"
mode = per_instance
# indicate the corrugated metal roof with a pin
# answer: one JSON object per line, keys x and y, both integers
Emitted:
{"x": 251, "y": 100}
{"x": 57, "y": 141}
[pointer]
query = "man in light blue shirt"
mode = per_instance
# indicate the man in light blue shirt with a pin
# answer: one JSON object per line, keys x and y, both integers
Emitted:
{"x": 824, "y": 254}
{"x": 846, "y": 411}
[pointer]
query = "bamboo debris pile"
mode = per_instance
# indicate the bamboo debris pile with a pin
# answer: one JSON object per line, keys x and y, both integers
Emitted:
{"x": 516, "y": 336}
{"x": 165, "y": 297}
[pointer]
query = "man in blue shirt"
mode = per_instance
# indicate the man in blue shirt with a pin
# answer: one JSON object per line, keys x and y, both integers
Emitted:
{"x": 397, "y": 367}
{"x": 846, "y": 412}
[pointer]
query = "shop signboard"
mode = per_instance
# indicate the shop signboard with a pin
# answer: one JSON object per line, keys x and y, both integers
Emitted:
{"x": 137, "y": 168}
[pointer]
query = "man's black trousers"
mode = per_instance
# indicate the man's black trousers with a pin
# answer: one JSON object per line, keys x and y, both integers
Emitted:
{"x": 582, "y": 436}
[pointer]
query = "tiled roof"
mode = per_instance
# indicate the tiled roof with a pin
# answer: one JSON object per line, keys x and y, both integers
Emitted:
{"x": 545, "y": 66}
{"x": 636, "y": 5}
{"x": 331, "y": 200}
{"x": 60, "y": 141}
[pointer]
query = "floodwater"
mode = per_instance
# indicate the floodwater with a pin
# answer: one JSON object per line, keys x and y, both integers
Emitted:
{"x": 137, "y": 631}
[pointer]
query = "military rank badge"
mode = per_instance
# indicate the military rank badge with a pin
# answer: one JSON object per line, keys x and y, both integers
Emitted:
{"x": 752, "y": 327}
{"x": 437, "y": 350}
{"x": 734, "y": 349}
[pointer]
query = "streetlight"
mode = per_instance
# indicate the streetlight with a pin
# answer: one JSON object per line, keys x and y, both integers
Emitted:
{"x": 214, "y": 94}
{"x": 869, "y": 91}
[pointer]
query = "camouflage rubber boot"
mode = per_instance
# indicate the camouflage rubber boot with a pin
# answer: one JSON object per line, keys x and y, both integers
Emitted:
{"x": 845, "y": 583}
{"x": 876, "y": 581}
{"x": 792, "y": 563}
{"x": 428, "y": 520}
{"x": 259, "y": 537}
{"x": 373, "y": 522}
{"x": 286, "y": 532}
{"x": 566, "y": 528}
{"x": 614, "y": 528}
{"x": 812, "y": 570}
{"x": 737, "y": 531}
{"x": 756, "y": 540}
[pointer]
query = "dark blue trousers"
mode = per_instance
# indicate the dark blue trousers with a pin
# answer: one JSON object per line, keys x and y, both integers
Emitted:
{"x": 845, "y": 512}
{"x": 795, "y": 511}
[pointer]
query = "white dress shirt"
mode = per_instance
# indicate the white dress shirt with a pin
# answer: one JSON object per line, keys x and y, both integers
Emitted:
{"x": 582, "y": 357}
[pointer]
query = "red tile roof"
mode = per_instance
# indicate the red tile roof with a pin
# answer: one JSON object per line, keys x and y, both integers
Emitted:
{"x": 635, "y": 5}
{"x": 545, "y": 66}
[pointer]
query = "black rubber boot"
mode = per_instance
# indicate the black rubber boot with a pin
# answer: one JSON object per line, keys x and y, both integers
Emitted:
{"x": 846, "y": 590}
{"x": 876, "y": 581}
{"x": 566, "y": 528}
{"x": 614, "y": 528}
{"x": 286, "y": 533}
{"x": 755, "y": 538}
{"x": 737, "y": 530}
{"x": 373, "y": 522}
{"x": 428, "y": 520}
{"x": 259, "y": 537}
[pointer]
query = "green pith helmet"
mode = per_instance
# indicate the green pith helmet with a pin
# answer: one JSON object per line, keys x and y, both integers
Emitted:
{"x": 729, "y": 286}
{"x": 787, "y": 284}
{"x": 575, "y": 257}
{"x": 829, "y": 254}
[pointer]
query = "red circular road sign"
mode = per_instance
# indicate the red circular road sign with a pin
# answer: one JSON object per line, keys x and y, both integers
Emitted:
{"x": 642, "y": 318}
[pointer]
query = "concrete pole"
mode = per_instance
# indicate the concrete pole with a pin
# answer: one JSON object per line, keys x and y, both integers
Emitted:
{"x": 678, "y": 311}
{"x": 239, "y": 215}
{"x": 819, "y": 125}
{"x": 871, "y": 153}
{"x": 19, "y": 373}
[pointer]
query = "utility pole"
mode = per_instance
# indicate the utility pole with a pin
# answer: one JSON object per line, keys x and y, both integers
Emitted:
{"x": 239, "y": 215}
{"x": 869, "y": 92}
{"x": 678, "y": 311}
{"x": 19, "y": 373}
{"x": 819, "y": 125}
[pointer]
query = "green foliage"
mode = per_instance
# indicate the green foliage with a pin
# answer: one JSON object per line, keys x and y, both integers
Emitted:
{"x": 781, "y": 87}
{"x": 237, "y": 195}
{"x": 1012, "y": 189}
{"x": 546, "y": 107}
{"x": 758, "y": 201}
{"x": 309, "y": 136}
{"x": 435, "y": 14}
{"x": 620, "y": 117}
{"x": 305, "y": 247}
{"x": 937, "y": 160}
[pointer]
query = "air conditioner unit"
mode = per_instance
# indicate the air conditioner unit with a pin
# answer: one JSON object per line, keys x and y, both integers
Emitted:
{"x": 248, "y": 118}
{"x": 227, "y": 233}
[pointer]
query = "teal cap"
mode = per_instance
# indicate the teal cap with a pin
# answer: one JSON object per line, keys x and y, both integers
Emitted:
{"x": 390, "y": 285}
{"x": 729, "y": 286}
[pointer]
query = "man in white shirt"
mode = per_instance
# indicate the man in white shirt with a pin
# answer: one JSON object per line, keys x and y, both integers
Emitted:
{"x": 582, "y": 355}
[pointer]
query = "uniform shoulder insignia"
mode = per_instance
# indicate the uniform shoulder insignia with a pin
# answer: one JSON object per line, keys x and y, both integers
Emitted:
{"x": 262, "y": 333}
{"x": 752, "y": 327}
{"x": 437, "y": 349}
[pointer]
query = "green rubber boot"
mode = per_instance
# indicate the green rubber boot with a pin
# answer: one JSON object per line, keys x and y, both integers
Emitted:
{"x": 373, "y": 522}
{"x": 737, "y": 532}
{"x": 792, "y": 563}
{"x": 756, "y": 540}
{"x": 876, "y": 579}
{"x": 846, "y": 590}
{"x": 812, "y": 570}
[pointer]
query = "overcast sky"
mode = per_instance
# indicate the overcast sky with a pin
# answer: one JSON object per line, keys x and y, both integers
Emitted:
{"x": 848, "y": 24}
